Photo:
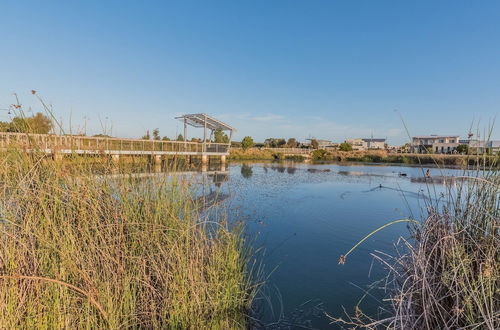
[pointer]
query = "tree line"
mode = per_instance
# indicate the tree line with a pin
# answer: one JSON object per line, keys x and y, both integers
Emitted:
{"x": 218, "y": 137}
{"x": 38, "y": 123}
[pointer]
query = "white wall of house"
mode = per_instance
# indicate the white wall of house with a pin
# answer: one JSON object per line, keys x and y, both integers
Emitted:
{"x": 438, "y": 144}
{"x": 365, "y": 144}
{"x": 374, "y": 144}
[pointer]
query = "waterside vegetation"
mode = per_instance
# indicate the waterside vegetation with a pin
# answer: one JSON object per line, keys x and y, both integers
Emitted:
{"x": 447, "y": 274}
{"x": 111, "y": 251}
{"x": 370, "y": 156}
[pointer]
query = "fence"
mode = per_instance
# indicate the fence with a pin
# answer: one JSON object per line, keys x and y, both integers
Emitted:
{"x": 86, "y": 144}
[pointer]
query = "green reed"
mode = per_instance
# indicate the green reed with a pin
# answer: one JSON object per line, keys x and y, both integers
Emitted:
{"x": 80, "y": 250}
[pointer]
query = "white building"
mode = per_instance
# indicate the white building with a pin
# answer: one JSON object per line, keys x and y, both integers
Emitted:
{"x": 366, "y": 144}
{"x": 439, "y": 144}
{"x": 323, "y": 144}
{"x": 480, "y": 147}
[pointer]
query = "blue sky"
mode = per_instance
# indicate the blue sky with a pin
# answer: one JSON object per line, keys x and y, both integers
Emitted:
{"x": 271, "y": 68}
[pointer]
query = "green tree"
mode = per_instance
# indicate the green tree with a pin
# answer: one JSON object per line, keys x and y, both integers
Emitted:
{"x": 344, "y": 146}
{"x": 180, "y": 137}
{"x": 274, "y": 143}
{"x": 156, "y": 134}
{"x": 292, "y": 143}
{"x": 463, "y": 149}
{"x": 39, "y": 123}
{"x": 247, "y": 142}
{"x": 270, "y": 143}
{"x": 165, "y": 138}
{"x": 220, "y": 136}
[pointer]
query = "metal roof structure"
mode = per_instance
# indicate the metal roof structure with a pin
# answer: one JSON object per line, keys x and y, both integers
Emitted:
{"x": 435, "y": 136}
{"x": 374, "y": 140}
{"x": 202, "y": 120}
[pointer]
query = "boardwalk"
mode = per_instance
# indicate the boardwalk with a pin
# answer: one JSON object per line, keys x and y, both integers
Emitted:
{"x": 84, "y": 145}
{"x": 59, "y": 145}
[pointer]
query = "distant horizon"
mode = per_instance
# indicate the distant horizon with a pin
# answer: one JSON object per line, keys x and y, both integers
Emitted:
{"x": 106, "y": 128}
{"x": 284, "y": 69}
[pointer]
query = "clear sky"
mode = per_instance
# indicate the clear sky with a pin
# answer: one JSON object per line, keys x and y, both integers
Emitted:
{"x": 271, "y": 68}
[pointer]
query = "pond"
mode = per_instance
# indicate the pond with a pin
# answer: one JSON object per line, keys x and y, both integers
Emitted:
{"x": 303, "y": 217}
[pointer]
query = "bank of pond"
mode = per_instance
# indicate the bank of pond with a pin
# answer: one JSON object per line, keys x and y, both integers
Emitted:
{"x": 370, "y": 156}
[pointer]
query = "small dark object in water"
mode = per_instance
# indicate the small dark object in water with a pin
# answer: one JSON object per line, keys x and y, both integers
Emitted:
{"x": 402, "y": 174}
{"x": 342, "y": 260}
{"x": 428, "y": 173}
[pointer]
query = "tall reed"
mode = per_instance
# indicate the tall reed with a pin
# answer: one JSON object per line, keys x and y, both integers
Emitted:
{"x": 447, "y": 275}
{"x": 80, "y": 250}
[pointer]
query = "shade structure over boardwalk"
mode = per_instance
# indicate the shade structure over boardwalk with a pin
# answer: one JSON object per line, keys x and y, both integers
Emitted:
{"x": 202, "y": 120}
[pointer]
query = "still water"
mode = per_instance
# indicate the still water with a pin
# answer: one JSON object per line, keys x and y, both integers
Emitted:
{"x": 302, "y": 217}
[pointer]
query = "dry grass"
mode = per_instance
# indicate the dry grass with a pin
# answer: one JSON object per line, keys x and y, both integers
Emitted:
{"x": 448, "y": 275}
{"x": 84, "y": 251}
{"x": 251, "y": 154}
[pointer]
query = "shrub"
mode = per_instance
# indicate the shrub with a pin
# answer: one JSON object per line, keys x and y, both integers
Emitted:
{"x": 344, "y": 146}
{"x": 319, "y": 154}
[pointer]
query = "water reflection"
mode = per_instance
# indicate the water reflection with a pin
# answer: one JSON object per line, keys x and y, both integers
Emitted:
{"x": 305, "y": 216}
{"x": 246, "y": 171}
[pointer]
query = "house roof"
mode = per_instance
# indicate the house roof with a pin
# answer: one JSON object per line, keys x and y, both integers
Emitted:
{"x": 374, "y": 140}
{"x": 435, "y": 136}
{"x": 199, "y": 119}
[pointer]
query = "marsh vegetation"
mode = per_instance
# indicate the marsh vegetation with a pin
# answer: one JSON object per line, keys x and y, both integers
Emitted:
{"x": 84, "y": 251}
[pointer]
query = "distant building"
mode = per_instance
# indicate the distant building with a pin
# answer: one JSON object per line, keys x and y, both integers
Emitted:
{"x": 366, "y": 144}
{"x": 480, "y": 147}
{"x": 323, "y": 144}
{"x": 439, "y": 144}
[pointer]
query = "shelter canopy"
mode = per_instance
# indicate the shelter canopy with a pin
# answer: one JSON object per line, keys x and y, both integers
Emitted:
{"x": 203, "y": 120}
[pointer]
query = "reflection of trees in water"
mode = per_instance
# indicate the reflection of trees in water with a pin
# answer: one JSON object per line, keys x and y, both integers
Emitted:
{"x": 280, "y": 169}
{"x": 291, "y": 170}
{"x": 246, "y": 171}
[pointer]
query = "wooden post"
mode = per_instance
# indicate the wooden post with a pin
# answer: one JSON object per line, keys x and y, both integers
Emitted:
{"x": 157, "y": 159}
{"x": 185, "y": 134}
{"x": 205, "y": 133}
{"x": 58, "y": 156}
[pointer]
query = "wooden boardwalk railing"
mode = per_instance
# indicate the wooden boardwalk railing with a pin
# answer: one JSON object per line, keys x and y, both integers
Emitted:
{"x": 107, "y": 145}
{"x": 291, "y": 151}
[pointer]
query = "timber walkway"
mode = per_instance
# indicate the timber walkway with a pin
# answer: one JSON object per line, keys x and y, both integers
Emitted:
{"x": 59, "y": 145}
{"x": 85, "y": 145}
